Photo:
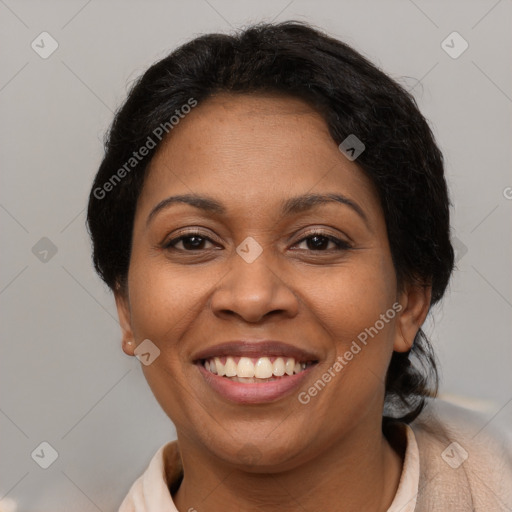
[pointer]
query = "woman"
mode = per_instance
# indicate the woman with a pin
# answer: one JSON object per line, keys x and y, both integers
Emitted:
{"x": 272, "y": 216}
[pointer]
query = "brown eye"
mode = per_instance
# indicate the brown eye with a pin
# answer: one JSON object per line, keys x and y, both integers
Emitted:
{"x": 189, "y": 241}
{"x": 319, "y": 241}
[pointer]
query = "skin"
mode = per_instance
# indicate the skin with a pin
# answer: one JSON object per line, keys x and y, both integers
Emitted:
{"x": 252, "y": 152}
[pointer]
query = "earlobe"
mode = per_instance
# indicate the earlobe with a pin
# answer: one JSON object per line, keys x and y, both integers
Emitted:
{"x": 403, "y": 342}
{"x": 415, "y": 302}
{"x": 123, "y": 312}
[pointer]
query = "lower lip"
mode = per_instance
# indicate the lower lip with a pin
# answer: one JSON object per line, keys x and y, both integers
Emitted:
{"x": 253, "y": 393}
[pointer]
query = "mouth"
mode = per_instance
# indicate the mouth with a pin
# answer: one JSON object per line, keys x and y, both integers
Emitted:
{"x": 254, "y": 369}
{"x": 246, "y": 372}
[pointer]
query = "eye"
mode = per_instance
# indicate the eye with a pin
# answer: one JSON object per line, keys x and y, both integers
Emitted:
{"x": 319, "y": 241}
{"x": 191, "y": 241}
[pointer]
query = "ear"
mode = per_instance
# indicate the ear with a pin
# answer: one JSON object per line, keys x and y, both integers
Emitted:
{"x": 123, "y": 311}
{"x": 415, "y": 302}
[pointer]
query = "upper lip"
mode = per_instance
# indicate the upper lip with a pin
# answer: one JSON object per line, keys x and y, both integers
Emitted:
{"x": 254, "y": 349}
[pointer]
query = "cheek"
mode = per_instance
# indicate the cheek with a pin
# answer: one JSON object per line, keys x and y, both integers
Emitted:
{"x": 168, "y": 304}
{"x": 161, "y": 300}
{"x": 164, "y": 304}
{"x": 348, "y": 304}
{"x": 355, "y": 306}
{"x": 353, "y": 298}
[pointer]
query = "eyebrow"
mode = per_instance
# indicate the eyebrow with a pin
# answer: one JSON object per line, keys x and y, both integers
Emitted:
{"x": 291, "y": 206}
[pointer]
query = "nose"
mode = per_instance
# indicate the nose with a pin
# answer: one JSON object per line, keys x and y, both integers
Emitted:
{"x": 254, "y": 291}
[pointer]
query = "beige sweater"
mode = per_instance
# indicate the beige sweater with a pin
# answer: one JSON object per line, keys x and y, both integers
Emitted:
{"x": 455, "y": 461}
{"x": 475, "y": 474}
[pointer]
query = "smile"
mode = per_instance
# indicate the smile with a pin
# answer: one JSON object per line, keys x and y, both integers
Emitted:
{"x": 254, "y": 390}
{"x": 250, "y": 372}
{"x": 254, "y": 369}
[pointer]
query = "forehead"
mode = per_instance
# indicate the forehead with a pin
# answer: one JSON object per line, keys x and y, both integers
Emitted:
{"x": 255, "y": 149}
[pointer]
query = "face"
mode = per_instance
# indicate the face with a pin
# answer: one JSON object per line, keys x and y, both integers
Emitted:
{"x": 252, "y": 265}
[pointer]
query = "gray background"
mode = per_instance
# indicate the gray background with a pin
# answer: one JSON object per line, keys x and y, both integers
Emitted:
{"x": 64, "y": 378}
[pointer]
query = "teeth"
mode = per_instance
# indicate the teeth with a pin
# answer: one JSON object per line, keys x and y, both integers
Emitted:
{"x": 218, "y": 366}
{"x": 245, "y": 368}
{"x": 230, "y": 367}
{"x": 250, "y": 368}
{"x": 263, "y": 368}
{"x": 290, "y": 364}
{"x": 278, "y": 367}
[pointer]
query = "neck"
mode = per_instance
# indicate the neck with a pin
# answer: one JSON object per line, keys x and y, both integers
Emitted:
{"x": 360, "y": 472}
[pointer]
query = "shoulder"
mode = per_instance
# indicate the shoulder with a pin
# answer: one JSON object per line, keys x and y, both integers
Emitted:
{"x": 152, "y": 490}
{"x": 465, "y": 459}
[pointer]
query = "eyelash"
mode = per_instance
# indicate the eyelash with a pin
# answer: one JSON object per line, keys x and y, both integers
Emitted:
{"x": 341, "y": 245}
